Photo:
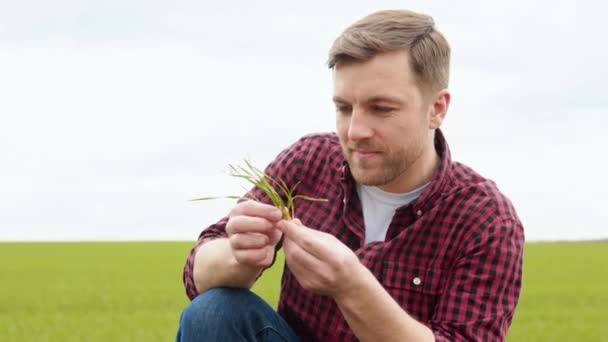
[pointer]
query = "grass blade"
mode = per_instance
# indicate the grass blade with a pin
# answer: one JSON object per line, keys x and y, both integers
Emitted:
{"x": 279, "y": 193}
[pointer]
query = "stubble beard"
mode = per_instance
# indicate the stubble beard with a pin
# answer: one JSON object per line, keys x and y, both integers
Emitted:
{"x": 391, "y": 165}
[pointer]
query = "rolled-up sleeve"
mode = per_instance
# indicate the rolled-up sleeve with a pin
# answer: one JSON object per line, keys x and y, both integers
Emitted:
{"x": 484, "y": 287}
{"x": 213, "y": 232}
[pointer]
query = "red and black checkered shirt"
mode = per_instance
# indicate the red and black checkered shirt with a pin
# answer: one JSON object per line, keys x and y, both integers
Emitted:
{"x": 452, "y": 258}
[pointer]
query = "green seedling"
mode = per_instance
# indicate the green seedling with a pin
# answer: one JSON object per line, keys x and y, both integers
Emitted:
{"x": 275, "y": 189}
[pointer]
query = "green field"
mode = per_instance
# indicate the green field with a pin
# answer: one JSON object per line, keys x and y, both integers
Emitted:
{"x": 133, "y": 292}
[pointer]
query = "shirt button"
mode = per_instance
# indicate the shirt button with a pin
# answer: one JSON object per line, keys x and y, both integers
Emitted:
{"x": 416, "y": 281}
{"x": 419, "y": 212}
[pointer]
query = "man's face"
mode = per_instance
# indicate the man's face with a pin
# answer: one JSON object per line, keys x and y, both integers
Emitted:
{"x": 382, "y": 120}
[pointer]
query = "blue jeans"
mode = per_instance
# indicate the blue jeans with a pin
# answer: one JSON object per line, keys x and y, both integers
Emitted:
{"x": 226, "y": 315}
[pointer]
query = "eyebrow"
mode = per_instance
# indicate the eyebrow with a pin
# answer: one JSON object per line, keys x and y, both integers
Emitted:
{"x": 338, "y": 99}
{"x": 390, "y": 99}
{"x": 384, "y": 98}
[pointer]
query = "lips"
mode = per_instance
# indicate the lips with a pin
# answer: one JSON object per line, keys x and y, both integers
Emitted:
{"x": 365, "y": 152}
{"x": 364, "y": 155}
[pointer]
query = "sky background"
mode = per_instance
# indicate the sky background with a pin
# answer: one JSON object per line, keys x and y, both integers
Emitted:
{"x": 113, "y": 114}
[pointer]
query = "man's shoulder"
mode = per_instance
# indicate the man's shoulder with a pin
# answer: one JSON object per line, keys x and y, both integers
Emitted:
{"x": 321, "y": 145}
{"x": 462, "y": 175}
{"x": 330, "y": 138}
{"x": 470, "y": 186}
{"x": 318, "y": 157}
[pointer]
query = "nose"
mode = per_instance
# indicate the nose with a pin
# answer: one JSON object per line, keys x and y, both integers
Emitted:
{"x": 359, "y": 126}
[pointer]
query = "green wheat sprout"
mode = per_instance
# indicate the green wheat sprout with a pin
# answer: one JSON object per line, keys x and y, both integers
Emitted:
{"x": 273, "y": 188}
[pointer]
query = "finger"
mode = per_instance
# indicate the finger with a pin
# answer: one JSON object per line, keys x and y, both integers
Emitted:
{"x": 291, "y": 258}
{"x": 248, "y": 241}
{"x": 254, "y": 257}
{"x": 299, "y": 258}
{"x": 310, "y": 272}
{"x": 258, "y": 209}
{"x": 248, "y": 224}
{"x": 251, "y": 257}
{"x": 310, "y": 240}
{"x": 275, "y": 236}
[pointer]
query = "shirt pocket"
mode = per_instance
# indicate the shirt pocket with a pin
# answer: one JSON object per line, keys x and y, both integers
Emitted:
{"x": 416, "y": 288}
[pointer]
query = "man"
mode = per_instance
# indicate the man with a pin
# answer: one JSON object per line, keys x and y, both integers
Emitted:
{"x": 410, "y": 246}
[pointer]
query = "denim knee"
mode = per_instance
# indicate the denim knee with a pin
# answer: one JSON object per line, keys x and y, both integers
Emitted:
{"x": 227, "y": 314}
{"x": 221, "y": 309}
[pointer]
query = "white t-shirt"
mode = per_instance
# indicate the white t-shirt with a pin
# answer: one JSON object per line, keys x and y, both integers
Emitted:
{"x": 379, "y": 208}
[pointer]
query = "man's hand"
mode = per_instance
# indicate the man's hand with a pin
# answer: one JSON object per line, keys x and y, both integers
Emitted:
{"x": 324, "y": 265}
{"x": 238, "y": 260}
{"x": 253, "y": 234}
{"x": 320, "y": 262}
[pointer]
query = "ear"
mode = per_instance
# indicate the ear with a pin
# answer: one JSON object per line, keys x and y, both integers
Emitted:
{"x": 438, "y": 108}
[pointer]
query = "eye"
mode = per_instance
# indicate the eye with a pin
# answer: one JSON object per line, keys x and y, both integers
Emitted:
{"x": 343, "y": 109}
{"x": 382, "y": 109}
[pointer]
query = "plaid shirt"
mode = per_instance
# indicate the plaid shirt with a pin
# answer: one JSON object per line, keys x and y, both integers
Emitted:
{"x": 452, "y": 258}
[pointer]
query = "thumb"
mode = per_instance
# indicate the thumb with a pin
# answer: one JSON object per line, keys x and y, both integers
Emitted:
{"x": 287, "y": 227}
{"x": 274, "y": 236}
{"x": 297, "y": 221}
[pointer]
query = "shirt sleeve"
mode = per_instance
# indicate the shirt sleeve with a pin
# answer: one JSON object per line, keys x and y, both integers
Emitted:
{"x": 485, "y": 284}
{"x": 286, "y": 166}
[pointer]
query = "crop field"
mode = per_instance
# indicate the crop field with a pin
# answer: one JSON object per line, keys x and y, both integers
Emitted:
{"x": 132, "y": 291}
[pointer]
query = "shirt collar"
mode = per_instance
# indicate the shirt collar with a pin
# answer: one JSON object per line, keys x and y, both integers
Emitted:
{"x": 440, "y": 176}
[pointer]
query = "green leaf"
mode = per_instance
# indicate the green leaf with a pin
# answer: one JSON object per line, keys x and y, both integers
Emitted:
{"x": 274, "y": 189}
{"x": 311, "y": 198}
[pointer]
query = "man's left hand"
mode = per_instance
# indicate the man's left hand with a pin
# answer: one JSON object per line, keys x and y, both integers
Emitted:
{"x": 320, "y": 262}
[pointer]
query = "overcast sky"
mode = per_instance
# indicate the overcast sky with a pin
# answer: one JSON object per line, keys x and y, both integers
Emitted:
{"x": 113, "y": 114}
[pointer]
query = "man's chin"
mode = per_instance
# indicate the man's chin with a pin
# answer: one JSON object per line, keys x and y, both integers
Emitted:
{"x": 366, "y": 177}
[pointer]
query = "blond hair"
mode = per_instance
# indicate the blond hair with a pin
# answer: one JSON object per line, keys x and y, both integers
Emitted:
{"x": 392, "y": 30}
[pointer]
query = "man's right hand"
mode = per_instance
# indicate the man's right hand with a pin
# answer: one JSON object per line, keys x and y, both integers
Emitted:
{"x": 253, "y": 233}
{"x": 238, "y": 260}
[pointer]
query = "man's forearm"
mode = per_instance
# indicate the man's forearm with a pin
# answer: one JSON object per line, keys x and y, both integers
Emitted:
{"x": 373, "y": 315}
{"x": 215, "y": 266}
